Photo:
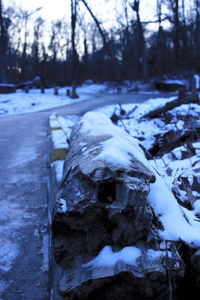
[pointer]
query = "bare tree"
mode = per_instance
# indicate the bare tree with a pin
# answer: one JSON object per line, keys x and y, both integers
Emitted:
{"x": 173, "y": 6}
{"x": 38, "y": 31}
{"x": 55, "y": 45}
{"x": 85, "y": 59}
{"x": 74, "y": 4}
{"x": 160, "y": 37}
{"x": 104, "y": 38}
{"x": 2, "y": 30}
{"x": 140, "y": 39}
{"x": 197, "y": 29}
{"x": 2, "y": 45}
{"x": 177, "y": 29}
{"x": 26, "y": 16}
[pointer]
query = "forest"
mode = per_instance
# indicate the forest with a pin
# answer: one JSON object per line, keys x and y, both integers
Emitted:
{"x": 81, "y": 47}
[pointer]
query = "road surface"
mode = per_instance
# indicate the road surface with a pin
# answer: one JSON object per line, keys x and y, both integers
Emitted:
{"x": 23, "y": 197}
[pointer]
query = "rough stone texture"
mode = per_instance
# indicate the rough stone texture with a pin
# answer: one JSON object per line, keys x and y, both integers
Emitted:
{"x": 101, "y": 204}
{"x": 146, "y": 280}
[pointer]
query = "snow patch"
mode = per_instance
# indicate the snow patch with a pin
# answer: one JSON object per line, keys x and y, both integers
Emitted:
{"x": 176, "y": 224}
{"x": 24, "y": 155}
{"x": 59, "y": 139}
{"x": 45, "y": 253}
{"x": 62, "y": 204}
{"x": 68, "y": 123}
{"x": 197, "y": 207}
{"x": 155, "y": 254}
{"x": 8, "y": 253}
{"x": 119, "y": 146}
{"x": 34, "y": 101}
{"x": 61, "y": 129}
{"x": 108, "y": 258}
{"x": 58, "y": 165}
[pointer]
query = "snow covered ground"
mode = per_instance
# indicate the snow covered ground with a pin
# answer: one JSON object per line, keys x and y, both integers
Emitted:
{"x": 20, "y": 102}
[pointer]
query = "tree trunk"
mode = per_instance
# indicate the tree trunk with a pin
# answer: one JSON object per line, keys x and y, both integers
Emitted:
{"x": 184, "y": 48}
{"x": 2, "y": 46}
{"x": 177, "y": 32}
{"x": 24, "y": 61}
{"x": 159, "y": 43}
{"x": 141, "y": 40}
{"x": 73, "y": 27}
{"x": 197, "y": 31}
{"x": 169, "y": 141}
{"x": 170, "y": 105}
{"x": 105, "y": 42}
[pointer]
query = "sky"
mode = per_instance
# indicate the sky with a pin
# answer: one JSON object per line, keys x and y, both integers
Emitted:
{"x": 105, "y": 10}
{"x": 57, "y": 9}
{"x": 50, "y": 8}
{"x": 53, "y": 10}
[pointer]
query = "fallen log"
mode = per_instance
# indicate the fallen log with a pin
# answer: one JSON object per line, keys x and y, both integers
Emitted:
{"x": 170, "y": 85}
{"x": 103, "y": 200}
{"x": 144, "y": 279}
{"x": 170, "y": 140}
{"x": 187, "y": 99}
{"x": 7, "y": 88}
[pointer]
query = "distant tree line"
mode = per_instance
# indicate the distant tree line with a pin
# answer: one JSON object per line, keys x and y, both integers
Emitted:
{"x": 78, "y": 49}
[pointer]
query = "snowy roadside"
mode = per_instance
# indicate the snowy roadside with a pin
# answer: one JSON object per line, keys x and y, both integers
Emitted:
{"x": 177, "y": 171}
{"x": 59, "y": 132}
{"x": 21, "y": 102}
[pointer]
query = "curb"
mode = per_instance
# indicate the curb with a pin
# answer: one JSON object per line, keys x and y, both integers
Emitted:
{"x": 57, "y": 148}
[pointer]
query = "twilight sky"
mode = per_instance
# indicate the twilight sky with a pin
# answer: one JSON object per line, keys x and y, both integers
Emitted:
{"x": 57, "y": 9}
{"x": 105, "y": 10}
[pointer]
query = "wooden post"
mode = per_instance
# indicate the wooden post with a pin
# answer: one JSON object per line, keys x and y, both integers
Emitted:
{"x": 196, "y": 78}
{"x": 119, "y": 90}
{"x": 56, "y": 91}
{"x": 193, "y": 86}
{"x": 74, "y": 94}
{"x": 68, "y": 92}
{"x": 181, "y": 94}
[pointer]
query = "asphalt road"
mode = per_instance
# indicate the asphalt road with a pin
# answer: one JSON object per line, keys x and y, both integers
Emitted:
{"x": 23, "y": 197}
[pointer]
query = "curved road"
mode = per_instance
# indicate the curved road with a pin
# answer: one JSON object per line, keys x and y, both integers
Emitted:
{"x": 23, "y": 197}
